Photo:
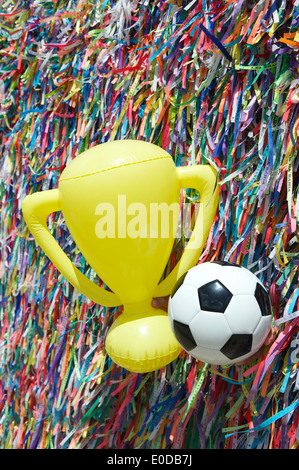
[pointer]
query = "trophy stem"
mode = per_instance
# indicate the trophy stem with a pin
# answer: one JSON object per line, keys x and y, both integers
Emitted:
{"x": 141, "y": 339}
{"x": 132, "y": 308}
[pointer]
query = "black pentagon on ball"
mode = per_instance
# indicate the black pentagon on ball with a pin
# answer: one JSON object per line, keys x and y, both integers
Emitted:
{"x": 183, "y": 335}
{"x": 178, "y": 284}
{"x": 263, "y": 300}
{"x": 214, "y": 297}
{"x": 237, "y": 345}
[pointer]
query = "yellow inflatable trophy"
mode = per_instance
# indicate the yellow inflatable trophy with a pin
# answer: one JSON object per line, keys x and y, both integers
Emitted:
{"x": 121, "y": 201}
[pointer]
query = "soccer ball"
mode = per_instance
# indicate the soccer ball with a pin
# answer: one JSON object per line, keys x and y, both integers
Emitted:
{"x": 220, "y": 313}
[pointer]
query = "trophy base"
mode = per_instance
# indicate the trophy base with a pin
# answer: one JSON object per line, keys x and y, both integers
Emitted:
{"x": 142, "y": 342}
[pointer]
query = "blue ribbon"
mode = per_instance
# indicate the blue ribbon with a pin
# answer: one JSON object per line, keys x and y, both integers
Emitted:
{"x": 216, "y": 42}
{"x": 271, "y": 420}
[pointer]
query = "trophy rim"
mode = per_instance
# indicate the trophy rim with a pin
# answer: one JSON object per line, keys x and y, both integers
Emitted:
{"x": 68, "y": 178}
{"x": 112, "y": 155}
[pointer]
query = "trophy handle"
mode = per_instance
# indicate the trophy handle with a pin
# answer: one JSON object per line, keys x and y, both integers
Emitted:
{"x": 36, "y": 208}
{"x": 203, "y": 178}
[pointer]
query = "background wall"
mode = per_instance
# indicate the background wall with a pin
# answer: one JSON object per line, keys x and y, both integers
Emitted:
{"x": 210, "y": 82}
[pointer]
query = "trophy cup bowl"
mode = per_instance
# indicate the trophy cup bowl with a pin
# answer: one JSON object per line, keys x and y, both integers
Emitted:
{"x": 121, "y": 203}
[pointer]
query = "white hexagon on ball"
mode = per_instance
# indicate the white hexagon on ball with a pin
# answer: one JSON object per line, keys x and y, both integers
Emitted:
{"x": 210, "y": 329}
{"x": 202, "y": 274}
{"x": 185, "y": 304}
{"x": 238, "y": 280}
{"x": 261, "y": 332}
{"x": 212, "y": 356}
